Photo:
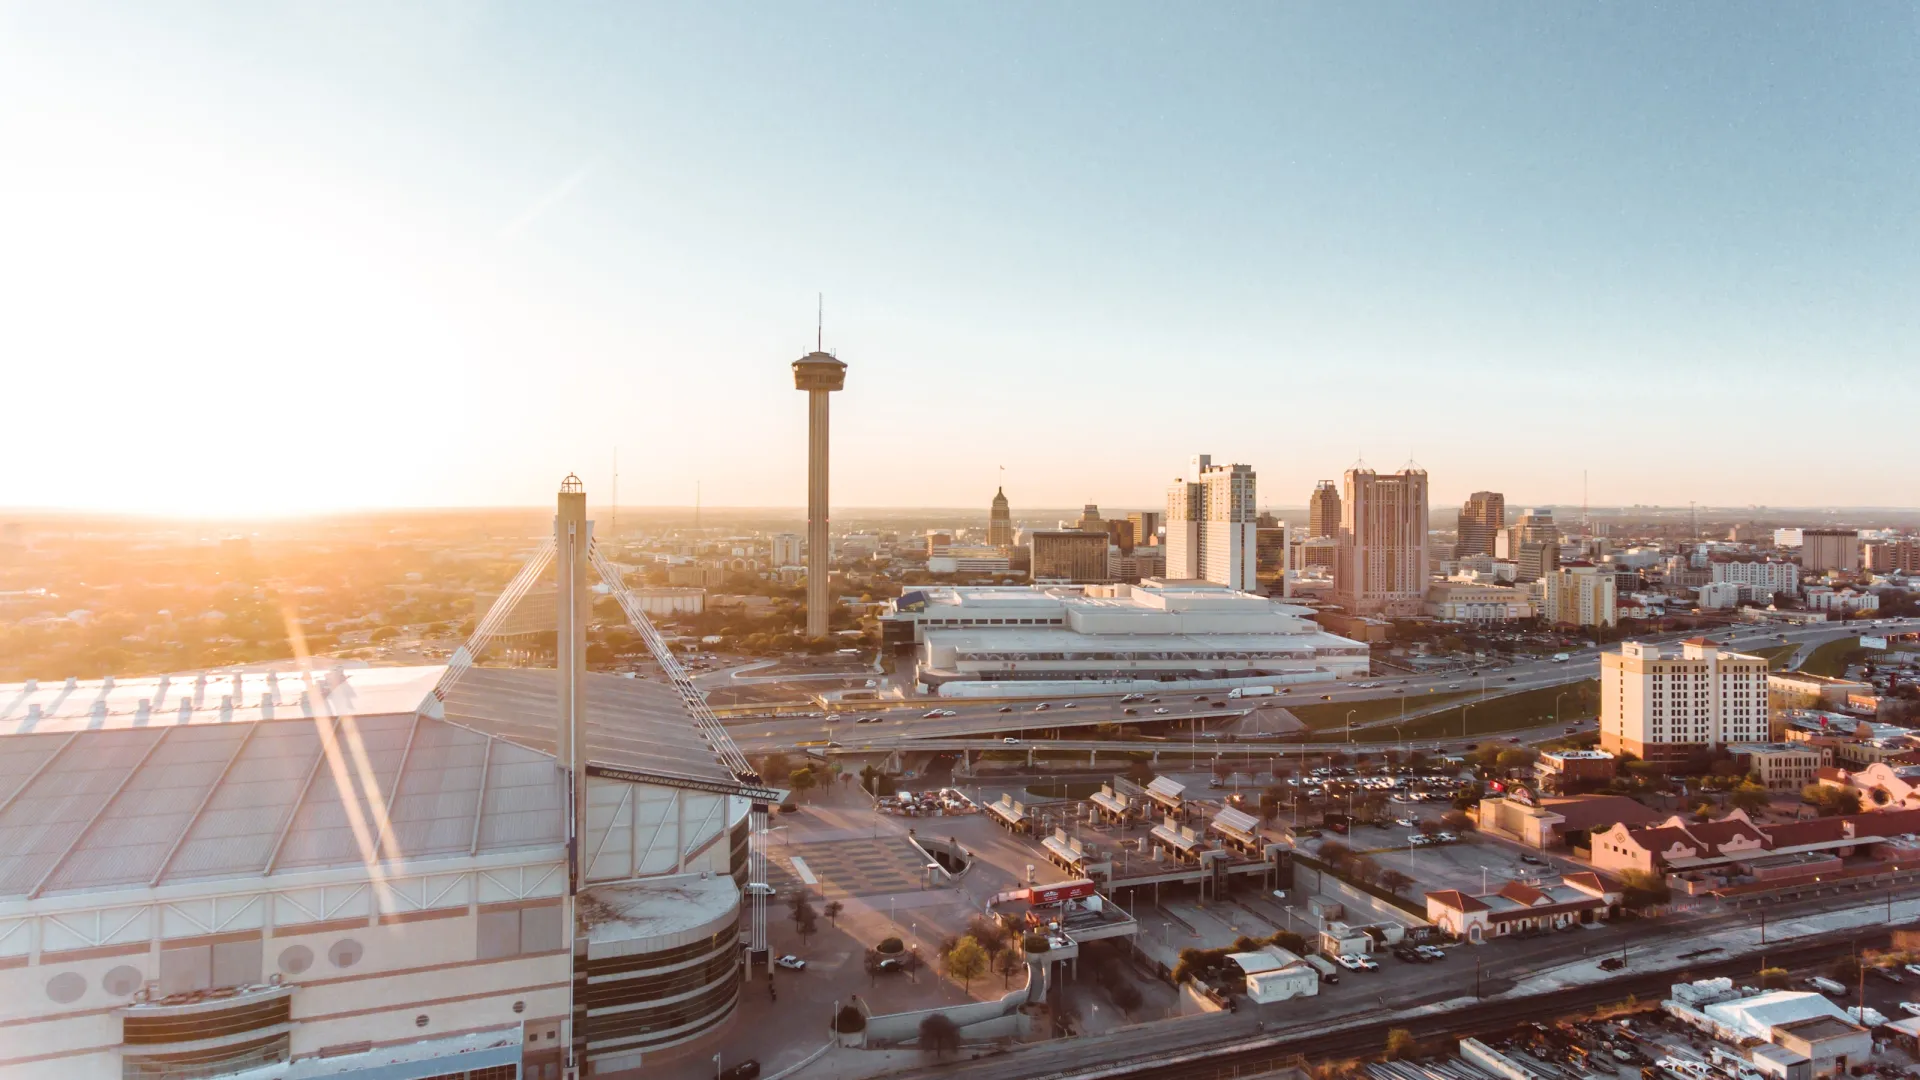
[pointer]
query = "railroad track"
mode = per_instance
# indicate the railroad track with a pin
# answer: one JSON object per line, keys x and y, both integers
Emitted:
{"x": 1233, "y": 1059}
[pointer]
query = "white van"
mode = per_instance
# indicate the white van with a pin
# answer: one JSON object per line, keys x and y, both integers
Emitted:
{"x": 1826, "y": 986}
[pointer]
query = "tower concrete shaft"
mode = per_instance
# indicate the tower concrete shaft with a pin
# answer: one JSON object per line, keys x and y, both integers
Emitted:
{"x": 819, "y": 375}
{"x": 572, "y": 536}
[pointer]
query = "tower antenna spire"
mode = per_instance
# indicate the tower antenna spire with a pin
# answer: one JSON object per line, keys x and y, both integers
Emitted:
{"x": 820, "y": 323}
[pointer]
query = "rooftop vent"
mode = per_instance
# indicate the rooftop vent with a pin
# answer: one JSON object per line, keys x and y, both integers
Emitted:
{"x": 143, "y": 711}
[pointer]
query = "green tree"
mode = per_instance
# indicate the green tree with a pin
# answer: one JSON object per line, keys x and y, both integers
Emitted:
{"x": 967, "y": 961}
{"x": 1773, "y": 978}
{"x": 802, "y": 780}
{"x": 990, "y": 933}
{"x": 1750, "y": 797}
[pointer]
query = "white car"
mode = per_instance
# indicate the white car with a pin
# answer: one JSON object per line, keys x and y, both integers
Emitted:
{"x": 1351, "y": 963}
{"x": 1010, "y": 739}
{"x": 1160, "y": 710}
{"x": 1913, "y": 969}
{"x": 1071, "y": 705}
{"x": 930, "y": 714}
{"x": 791, "y": 963}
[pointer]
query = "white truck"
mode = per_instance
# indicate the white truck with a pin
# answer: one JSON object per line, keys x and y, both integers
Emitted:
{"x": 1561, "y": 658}
{"x": 1250, "y": 691}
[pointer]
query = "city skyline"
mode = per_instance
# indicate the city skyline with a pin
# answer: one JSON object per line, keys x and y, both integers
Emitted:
{"x": 234, "y": 225}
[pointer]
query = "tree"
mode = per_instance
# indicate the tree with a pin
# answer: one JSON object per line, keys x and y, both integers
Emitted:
{"x": 991, "y": 935}
{"x": 1846, "y": 969}
{"x": 1750, "y": 797}
{"x": 1008, "y": 962}
{"x": 967, "y": 961}
{"x": 939, "y": 1035}
{"x": 1515, "y": 758}
{"x": 1393, "y": 881}
{"x": 1640, "y": 890}
{"x": 803, "y": 780}
{"x": 1773, "y": 978}
{"x": 806, "y": 924}
{"x": 775, "y": 768}
{"x": 1401, "y": 1044}
{"x": 833, "y": 910}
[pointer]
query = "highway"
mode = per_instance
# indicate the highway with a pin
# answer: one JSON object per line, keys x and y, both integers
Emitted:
{"x": 906, "y": 721}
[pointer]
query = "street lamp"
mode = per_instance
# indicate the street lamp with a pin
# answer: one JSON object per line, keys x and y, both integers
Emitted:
{"x": 1350, "y": 713}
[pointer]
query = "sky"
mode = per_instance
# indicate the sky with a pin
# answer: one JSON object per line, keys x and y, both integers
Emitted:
{"x": 283, "y": 258}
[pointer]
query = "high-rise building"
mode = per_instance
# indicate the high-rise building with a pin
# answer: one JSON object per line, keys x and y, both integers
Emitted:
{"x": 1579, "y": 594}
{"x": 1323, "y": 510}
{"x": 1270, "y": 549}
{"x": 1484, "y": 515}
{"x": 1000, "y": 522}
{"x": 1533, "y": 527}
{"x": 1146, "y": 527}
{"x": 1068, "y": 556}
{"x": 1535, "y": 561}
{"x": 938, "y": 541}
{"x": 819, "y": 374}
{"x": 1380, "y": 567}
{"x": 786, "y": 549}
{"x": 1829, "y": 549}
{"x": 1888, "y": 556}
{"x": 1211, "y": 530}
{"x": 1090, "y": 520}
{"x": 1120, "y": 532}
{"x": 1665, "y": 706}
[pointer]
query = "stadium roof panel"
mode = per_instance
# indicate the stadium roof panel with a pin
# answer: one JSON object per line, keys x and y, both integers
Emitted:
{"x": 155, "y": 806}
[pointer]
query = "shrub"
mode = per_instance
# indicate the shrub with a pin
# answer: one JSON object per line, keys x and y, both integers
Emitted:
{"x": 1401, "y": 1044}
{"x": 889, "y": 946}
{"x": 849, "y": 1020}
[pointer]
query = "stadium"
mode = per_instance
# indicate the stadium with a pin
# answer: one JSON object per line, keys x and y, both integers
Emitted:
{"x": 438, "y": 871}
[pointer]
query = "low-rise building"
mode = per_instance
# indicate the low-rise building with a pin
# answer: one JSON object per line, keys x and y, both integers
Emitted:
{"x": 1793, "y": 690}
{"x": 1578, "y": 899}
{"x": 1275, "y": 974}
{"x": 1474, "y": 602}
{"x": 1545, "y": 821}
{"x": 1781, "y": 766}
{"x": 1569, "y": 772}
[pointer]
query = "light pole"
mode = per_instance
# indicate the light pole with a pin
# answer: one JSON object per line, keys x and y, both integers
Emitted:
{"x": 1350, "y": 713}
{"x": 1463, "y": 717}
{"x": 1556, "y": 705}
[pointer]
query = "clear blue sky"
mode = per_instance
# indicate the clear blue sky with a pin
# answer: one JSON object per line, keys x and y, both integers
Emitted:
{"x": 265, "y": 257}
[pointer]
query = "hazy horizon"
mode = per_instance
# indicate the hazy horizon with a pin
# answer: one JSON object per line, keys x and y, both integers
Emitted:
{"x": 271, "y": 259}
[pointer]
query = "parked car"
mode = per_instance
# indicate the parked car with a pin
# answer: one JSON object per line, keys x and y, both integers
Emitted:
{"x": 1910, "y": 1008}
{"x": 1888, "y": 974}
{"x": 791, "y": 963}
{"x": 1351, "y": 963}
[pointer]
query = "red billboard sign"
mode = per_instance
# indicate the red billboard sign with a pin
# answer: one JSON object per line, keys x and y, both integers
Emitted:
{"x": 1065, "y": 890}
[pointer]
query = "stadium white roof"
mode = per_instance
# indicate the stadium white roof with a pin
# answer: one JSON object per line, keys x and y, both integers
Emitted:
{"x": 140, "y": 783}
